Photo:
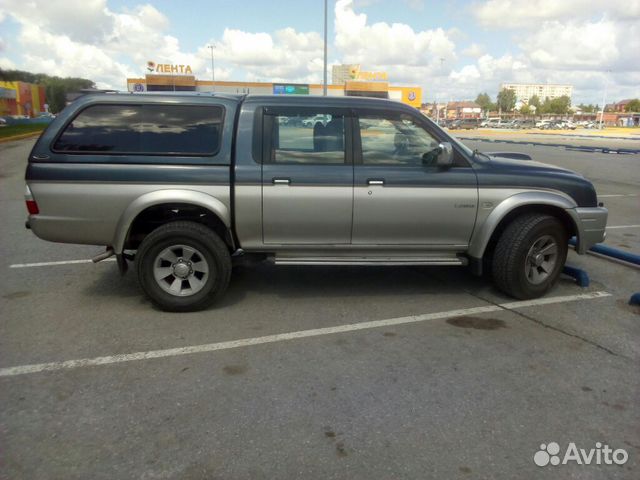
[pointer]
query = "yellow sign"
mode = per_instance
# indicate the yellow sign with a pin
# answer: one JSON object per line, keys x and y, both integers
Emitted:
{"x": 359, "y": 86}
{"x": 356, "y": 74}
{"x": 154, "y": 67}
{"x": 373, "y": 76}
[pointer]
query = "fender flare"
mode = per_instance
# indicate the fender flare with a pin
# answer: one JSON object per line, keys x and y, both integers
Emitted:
{"x": 481, "y": 237}
{"x": 159, "y": 197}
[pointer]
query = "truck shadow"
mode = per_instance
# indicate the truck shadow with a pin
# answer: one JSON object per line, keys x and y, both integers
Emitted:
{"x": 327, "y": 282}
{"x": 289, "y": 282}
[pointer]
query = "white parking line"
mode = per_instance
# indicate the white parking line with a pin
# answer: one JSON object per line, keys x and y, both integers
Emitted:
{"x": 618, "y": 195}
{"x": 623, "y": 226}
{"x": 63, "y": 262}
{"x": 281, "y": 337}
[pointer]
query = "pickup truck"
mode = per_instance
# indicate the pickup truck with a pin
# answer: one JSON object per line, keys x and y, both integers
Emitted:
{"x": 186, "y": 184}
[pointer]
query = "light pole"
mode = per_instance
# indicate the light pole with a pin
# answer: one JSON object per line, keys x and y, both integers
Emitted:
{"x": 213, "y": 69}
{"x": 324, "y": 82}
{"x": 437, "y": 106}
{"x": 604, "y": 99}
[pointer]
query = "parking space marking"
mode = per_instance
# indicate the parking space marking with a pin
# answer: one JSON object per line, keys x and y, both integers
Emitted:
{"x": 623, "y": 226}
{"x": 280, "y": 337}
{"x": 63, "y": 262}
{"x": 618, "y": 195}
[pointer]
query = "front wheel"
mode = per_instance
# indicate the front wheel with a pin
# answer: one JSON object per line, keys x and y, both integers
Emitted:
{"x": 530, "y": 255}
{"x": 183, "y": 266}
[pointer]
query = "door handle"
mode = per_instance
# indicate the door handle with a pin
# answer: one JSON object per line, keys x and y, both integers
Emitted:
{"x": 375, "y": 182}
{"x": 281, "y": 181}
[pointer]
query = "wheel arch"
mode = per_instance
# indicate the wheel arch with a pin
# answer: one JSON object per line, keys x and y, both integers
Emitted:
{"x": 217, "y": 213}
{"x": 555, "y": 204}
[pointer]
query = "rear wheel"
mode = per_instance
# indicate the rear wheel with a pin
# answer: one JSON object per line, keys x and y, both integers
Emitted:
{"x": 530, "y": 255}
{"x": 183, "y": 266}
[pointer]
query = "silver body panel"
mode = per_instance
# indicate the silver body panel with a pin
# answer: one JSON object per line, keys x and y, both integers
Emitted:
{"x": 384, "y": 215}
{"x": 301, "y": 215}
{"x": 101, "y": 213}
{"x": 592, "y": 226}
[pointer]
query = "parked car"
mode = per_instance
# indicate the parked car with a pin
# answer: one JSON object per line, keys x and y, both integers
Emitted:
{"x": 312, "y": 121}
{"x": 526, "y": 124}
{"x": 496, "y": 123}
{"x": 464, "y": 124}
{"x": 185, "y": 185}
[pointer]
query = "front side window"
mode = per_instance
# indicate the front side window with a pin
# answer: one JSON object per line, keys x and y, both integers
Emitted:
{"x": 308, "y": 139}
{"x": 144, "y": 129}
{"x": 396, "y": 140}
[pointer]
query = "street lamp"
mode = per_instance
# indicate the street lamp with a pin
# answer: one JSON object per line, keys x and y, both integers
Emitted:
{"x": 324, "y": 81}
{"x": 604, "y": 99}
{"x": 213, "y": 69}
{"x": 436, "y": 100}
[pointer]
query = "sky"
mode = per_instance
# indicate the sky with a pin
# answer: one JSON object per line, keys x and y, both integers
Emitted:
{"x": 452, "y": 49}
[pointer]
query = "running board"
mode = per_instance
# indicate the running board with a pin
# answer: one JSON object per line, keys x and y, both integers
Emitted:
{"x": 382, "y": 261}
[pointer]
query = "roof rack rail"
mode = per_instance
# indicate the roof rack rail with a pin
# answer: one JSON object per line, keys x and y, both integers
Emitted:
{"x": 98, "y": 90}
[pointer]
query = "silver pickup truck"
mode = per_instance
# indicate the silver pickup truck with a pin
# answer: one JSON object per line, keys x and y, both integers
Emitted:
{"x": 186, "y": 184}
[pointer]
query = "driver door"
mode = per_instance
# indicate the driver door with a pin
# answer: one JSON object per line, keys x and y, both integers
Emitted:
{"x": 401, "y": 197}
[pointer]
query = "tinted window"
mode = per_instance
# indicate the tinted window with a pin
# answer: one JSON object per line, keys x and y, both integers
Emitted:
{"x": 395, "y": 140}
{"x": 144, "y": 129}
{"x": 308, "y": 139}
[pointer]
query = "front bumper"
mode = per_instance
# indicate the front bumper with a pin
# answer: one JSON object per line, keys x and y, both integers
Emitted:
{"x": 592, "y": 224}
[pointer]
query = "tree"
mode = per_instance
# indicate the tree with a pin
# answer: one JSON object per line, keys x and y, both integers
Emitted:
{"x": 633, "y": 106}
{"x": 560, "y": 105}
{"x": 535, "y": 102}
{"x": 588, "y": 108}
{"x": 525, "y": 109}
{"x": 484, "y": 100}
{"x": 506, "y": 100}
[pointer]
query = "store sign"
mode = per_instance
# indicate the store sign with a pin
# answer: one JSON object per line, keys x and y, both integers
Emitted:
{"x": 373, "y": 76}
{"x": 170, "y": 68}
{"x": 290, "y": 89}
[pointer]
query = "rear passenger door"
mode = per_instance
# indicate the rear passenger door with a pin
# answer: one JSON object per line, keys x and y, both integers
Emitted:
{"x": 307, "y": 176}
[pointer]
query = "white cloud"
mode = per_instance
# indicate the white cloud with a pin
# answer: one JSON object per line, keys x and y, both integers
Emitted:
{"x": 6, "y": 64}
{"x": 474, "y": 51}
{"x": 80, "y": 20}
{"x": 529, "y": 13}
{"x": 601, "y": 45}
{"x": 387, "y": 44}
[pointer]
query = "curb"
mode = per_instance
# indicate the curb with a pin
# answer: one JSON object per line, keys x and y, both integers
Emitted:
{"x": 21, "y": 136}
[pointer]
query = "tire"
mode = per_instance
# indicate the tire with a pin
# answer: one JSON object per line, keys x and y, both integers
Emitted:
{"x": 202, "y": 276}
{"x": 524, "y": 265}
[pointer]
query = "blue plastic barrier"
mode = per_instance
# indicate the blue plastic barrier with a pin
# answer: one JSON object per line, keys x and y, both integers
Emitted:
{"x": 581, "y": 277}
{"x": 611, "y": 252}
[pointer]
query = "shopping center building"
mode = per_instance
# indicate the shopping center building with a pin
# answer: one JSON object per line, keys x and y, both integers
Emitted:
{"x": 22, "y": 99}
{"x": 167, "y": 77}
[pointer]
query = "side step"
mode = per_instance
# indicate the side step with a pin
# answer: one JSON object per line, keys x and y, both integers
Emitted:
{"x": 424, "y": 260}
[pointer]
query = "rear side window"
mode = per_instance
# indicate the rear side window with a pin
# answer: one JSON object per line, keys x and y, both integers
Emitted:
{"x": 144, "y": 129}
{"x": 304, "y": 138}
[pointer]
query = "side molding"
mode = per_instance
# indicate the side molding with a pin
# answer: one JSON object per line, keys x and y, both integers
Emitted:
{"x": 482, "y": 235}
{"x": 159, "y": 197}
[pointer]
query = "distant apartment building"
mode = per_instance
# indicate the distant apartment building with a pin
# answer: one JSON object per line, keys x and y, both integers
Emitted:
{"x": 524, "y": 91}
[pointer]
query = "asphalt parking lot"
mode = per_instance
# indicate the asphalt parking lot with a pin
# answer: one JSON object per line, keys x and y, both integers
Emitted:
{"x": 316, "y": 372}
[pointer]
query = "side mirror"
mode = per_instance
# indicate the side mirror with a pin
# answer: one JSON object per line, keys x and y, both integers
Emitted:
{"x": 445, "y": 157}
